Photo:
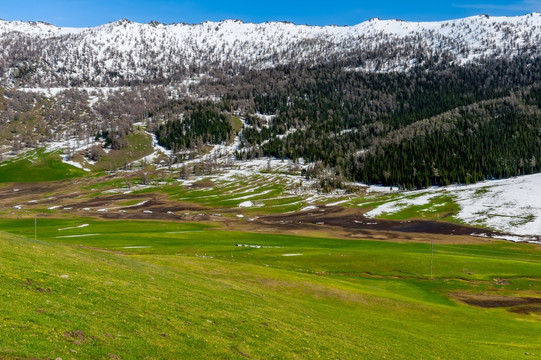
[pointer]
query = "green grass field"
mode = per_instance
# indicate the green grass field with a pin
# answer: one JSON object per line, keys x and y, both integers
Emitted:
{"x": 167, "y": 290}
{"x": 236, "y": 123}
{"x": 37, "y": 166}
{"x": 104, "y": 289}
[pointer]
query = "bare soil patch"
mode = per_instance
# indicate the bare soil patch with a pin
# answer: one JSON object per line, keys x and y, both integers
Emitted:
{"x": 78, "y": 337}
{"x": 19, "y": 192}
{"x": 352, "y": 224}
{"x": 517, "y": 304}
{"x": 108, "y": 200}
{"x": 202, "y": 184}
{"x": 350, "y": 219}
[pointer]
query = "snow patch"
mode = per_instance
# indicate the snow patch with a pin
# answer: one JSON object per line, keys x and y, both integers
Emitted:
{"x": 76, "y": 236}
{"x": 246, "y": 204}
{"x": 74, "y": 227}
{"x": 401, "y": 203}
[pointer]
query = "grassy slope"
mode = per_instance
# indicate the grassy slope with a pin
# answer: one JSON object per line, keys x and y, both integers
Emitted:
{"x": 139, "y": 146}
{"x": 269, "y": 197}
{"x": 236, "y": 123}
{"x": 37, "y": 166}
{"x": 195, "y": 294}
{"x": 40, "y": 165}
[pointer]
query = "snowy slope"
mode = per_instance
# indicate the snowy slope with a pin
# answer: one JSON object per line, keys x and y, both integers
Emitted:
{"x": 512, "y": 206}
{"x": 38, "y": 29}
{"x": 125, "y": 51}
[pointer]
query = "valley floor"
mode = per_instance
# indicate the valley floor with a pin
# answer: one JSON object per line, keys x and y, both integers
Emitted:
{"x": 251, "y": 263}
{"x": 91, "y": 288}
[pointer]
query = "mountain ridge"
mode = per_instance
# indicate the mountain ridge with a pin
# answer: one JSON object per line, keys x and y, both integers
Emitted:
{"x": 240, "y": 21}
{"x": 124, "y": 52}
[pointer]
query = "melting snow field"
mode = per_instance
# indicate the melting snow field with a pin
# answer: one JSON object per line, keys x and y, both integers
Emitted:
{"x": 511, "y": 206}
{"x": 403, "y": 202}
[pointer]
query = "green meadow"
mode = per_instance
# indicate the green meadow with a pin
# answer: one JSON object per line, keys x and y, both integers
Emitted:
{"x": 84, "y": 288}
{"x": 37, "y": 166}
{"x": 93, "y": 289}
{"x": 138, "y": 146}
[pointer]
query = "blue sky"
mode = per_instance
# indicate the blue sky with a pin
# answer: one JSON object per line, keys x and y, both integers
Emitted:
{"x": 341, "y": 12}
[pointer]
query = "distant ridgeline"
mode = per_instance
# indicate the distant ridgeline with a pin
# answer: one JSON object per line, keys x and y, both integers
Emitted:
{"x": 124, "y": 53}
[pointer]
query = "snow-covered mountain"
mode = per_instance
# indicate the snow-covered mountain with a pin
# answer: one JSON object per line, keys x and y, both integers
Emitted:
{"x": 123, "y": 52}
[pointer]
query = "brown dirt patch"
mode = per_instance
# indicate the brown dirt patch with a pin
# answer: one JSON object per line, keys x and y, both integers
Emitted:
{"x": 527, "y": 310}
{"x": 341, "y": 233}
{"x": 107, "y": 200}
{"x": 202, "y": 184}
{"x": 21, "y": 189}
{"x": 350, "y": 223}
{"x": 155, "y": 209}
{"x": 21, "y": 193}
{"x": 354, "y": 220}
{"x": 78, "y": 337}
{"x": 153, "y": 206}
{"x": 517, "y": 304}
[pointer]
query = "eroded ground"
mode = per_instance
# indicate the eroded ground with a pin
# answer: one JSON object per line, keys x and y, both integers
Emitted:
{"x": 88, "y": 197}
{"x": 522, "y": 304}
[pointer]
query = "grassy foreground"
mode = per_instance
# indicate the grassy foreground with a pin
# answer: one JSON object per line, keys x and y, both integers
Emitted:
{"x": 177, "y": 290}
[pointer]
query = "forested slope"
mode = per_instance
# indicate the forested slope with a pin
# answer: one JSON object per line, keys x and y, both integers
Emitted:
{"x": 446, "y": 125}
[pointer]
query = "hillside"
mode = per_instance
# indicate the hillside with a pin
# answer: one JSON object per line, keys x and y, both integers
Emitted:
{"x": 178, "y": 296}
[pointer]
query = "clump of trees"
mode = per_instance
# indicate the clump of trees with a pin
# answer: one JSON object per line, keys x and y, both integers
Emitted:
{"x": 204, "y": 125}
